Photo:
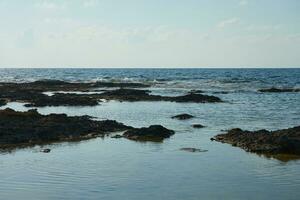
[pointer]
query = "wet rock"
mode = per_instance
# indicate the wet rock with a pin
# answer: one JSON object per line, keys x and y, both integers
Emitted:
{"x": 196, "y": 98}
{"x": 198, "y": 126}
{"x": 277, "y": 90}
{"x": 193, "y": 150}
{"x": 46, "y": 150}
{"x": 144, "y": 95}
{"x": 183, "y": 116}
{"x": 286, "y": 141}
{"x": 64, "y": 100}
{"x": 30, "y": 128}
{"x": 117, "y": 136}
{"x": 196, "y": 92}
{"x": 2, "y": 102}
{"x": 152, "y": 133}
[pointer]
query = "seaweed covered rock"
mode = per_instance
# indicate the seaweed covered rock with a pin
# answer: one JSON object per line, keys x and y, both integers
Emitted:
{"x": 286, "y": 141}
{"x": 152, "y": 133}
{"x": 29, "y": 128}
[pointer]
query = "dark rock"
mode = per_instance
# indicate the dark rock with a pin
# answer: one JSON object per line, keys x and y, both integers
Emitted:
{"x": 286, "y": 141}
{"x": 183, "y": 116}
{"x": 2, "y": 102}
{"x": 46, "y": 150}
{"x": 193, "y": 150}
{"x": 144, "y": 95}
{"x": 196, "y": 92}
{"x": 63, "y": 100}
{"x": 277, "y": 90}
{"x": 117, "y": 136}
{"x": 198, "y": 126}
{"x": 196, "y": 98}
{"x": 32, "y": 93}
{"x": 30, "y": 128}
{"x": 152, "y": 133}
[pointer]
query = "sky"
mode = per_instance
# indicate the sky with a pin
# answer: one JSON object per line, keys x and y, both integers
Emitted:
{"x": 149, "y": 33}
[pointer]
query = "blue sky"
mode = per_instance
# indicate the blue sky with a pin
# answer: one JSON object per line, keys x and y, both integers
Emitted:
{"x": 149, "y": 33}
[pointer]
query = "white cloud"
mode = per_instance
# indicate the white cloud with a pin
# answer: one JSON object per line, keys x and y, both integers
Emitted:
{"x": 228, "y": 22}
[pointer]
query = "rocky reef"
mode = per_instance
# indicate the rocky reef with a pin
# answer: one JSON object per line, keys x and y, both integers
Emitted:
{"x": 286, "y": 141}
{"x": 30, "y": 128}
{"x": 144, "y": 95}
{"x": 34, "y": 93}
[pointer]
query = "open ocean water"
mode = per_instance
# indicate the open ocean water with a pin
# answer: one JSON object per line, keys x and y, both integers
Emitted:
{"x": 106, "y": 168}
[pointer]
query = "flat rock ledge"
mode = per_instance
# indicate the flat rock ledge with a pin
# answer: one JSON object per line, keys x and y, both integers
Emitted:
{"x": 286, "y": 141}
{"x": 154, "y": 133}
{"x": 19, "y": 129}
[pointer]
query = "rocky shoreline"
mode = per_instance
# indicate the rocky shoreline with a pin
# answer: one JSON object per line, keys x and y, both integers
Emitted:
{"x": 286, "y": 141}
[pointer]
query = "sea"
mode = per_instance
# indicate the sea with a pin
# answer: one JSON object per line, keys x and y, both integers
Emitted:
{"x": 108, "y": 168}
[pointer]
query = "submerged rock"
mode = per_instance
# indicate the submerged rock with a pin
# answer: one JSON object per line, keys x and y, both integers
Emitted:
{"x": 277, "y": 90}
{"x": 193, "y": 150}
{"x": 198, "y": 126}
{"x": 30, "y": 128}
{"x": 152, "y": 133}
{"x": 183, "y": 116}
{"x": 286, "y": 141}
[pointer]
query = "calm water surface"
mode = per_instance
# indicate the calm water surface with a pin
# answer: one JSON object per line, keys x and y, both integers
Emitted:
{"x": 106, "y": 168}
